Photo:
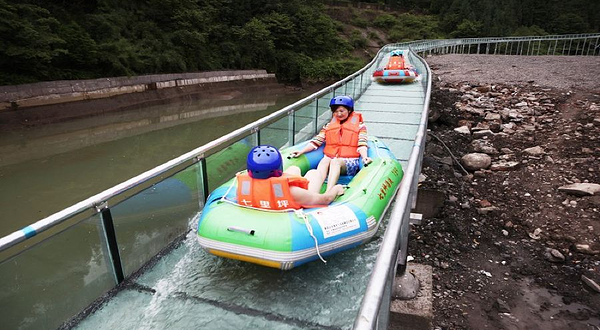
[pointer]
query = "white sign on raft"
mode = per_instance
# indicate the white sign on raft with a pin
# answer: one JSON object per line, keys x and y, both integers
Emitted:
{"x": 336, "y": 220}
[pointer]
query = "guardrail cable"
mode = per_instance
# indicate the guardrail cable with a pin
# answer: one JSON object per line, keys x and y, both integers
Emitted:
{"x": 450, "y": 152}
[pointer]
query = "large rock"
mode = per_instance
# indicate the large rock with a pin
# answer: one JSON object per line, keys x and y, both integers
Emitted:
{"x": 581, "y": 189}
{"x": 482, "y": 133}
{"x": 463, "y": 130}
{"x": 476, "y": 161}
{"x": 483, "y": 146}
{"x": 504, "y": 166}
{"x": 534, "y": 151}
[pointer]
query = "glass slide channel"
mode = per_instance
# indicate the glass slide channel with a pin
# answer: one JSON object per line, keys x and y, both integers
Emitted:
{"x": 106, "y": 228}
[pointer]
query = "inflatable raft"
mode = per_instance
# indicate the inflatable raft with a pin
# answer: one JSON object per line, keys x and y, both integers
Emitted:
{"x": 286, "y": 239}
{"x": 396, "y": 70}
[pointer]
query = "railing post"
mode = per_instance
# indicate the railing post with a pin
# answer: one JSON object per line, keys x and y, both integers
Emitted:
{"x": 108, "y": 227}
{"x": 316, "y": 116}
{"x": 361, "y": 82}
{"x": 204, "y": 177}
{"x": 292, "y": 126}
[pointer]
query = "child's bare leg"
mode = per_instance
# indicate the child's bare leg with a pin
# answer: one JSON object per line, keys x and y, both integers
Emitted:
{"x": 315, "y": 181}
{"x": 336, "y": 167}
{"x": 323, "y": 166}
{"x": 293, "y": 170}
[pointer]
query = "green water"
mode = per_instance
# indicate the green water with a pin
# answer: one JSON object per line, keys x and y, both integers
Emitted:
{"x": 47, "y": 168}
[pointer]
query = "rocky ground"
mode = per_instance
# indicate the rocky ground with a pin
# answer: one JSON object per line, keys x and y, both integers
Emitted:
{"x": 514, "y": 153}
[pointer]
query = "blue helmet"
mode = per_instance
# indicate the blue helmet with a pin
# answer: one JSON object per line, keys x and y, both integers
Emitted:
{"x": 397, "y": 52}
{"x": 264, "y": 162}
{"x": 344, "y": 100}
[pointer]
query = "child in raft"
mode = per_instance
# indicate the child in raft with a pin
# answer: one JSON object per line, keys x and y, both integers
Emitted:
{"x": 345, "y": 138}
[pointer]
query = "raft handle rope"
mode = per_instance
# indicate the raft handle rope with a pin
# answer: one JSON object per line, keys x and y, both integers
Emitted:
{"x": 241, "y": 230}
{"x": 302, "y": 215}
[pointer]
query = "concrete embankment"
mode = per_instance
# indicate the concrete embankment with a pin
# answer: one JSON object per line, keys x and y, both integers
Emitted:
{"x": 47, "y": 102}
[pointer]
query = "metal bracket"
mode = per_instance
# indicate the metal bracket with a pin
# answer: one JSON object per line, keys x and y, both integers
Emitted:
{"x": 416, "y": 218}
{"x": 198, "y": 158}
{"x": 254, "y": 129}
{"x": 101, "y": 206}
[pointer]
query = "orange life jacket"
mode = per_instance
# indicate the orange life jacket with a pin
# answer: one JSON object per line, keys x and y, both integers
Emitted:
{"x": 271, "y": 194}
{"x": 396, "y": 63}
{"x": 341, "y": 140}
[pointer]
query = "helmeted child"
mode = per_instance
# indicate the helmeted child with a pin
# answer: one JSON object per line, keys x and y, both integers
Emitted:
{"x": 345, "y": 138}
{"x": 266, "y": 186}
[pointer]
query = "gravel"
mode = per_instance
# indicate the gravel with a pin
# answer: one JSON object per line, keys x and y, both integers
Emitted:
{"x": 561, "y": 72}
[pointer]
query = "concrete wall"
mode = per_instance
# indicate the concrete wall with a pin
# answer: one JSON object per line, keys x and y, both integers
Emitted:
{"x": 53, "y": 92}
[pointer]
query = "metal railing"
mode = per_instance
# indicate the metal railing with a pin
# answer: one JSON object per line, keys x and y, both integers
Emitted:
{"x": 107, "y": 215}
{"x": 394, "y": 247}
{"x": 571, "y": 44}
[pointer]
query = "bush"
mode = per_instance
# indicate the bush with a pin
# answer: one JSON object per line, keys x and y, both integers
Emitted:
{"x": 327, "y": 69}
{"x": 357, "y": 40}
{"x": 385, "y": 21}
{"x": 360, "y": 22}
{"x": 533, "y": 30}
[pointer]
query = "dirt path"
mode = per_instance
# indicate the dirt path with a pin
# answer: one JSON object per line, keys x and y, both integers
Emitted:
{"x": 509, "y": 249}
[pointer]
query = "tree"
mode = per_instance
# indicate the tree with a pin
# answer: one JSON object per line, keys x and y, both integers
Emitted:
{"x": 29, "y": 42}
{"x": 467, "y": 29}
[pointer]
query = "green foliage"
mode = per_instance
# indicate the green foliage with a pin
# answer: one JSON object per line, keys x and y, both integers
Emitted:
{"x": 529, "y": 31}
{"x": 326, "y": 69}
{"x": 357, "y": 40}
{"x": 414, "y": 27}
{"x": 467, "y": 29}
{"x": 80, "y": 39}
{"x": 373, "y": 36}
{"x": 385, "y": 21}
{"x": 29, "y": 44}
{"x": 360, "y": 22}
{"x": 569, "y": 23}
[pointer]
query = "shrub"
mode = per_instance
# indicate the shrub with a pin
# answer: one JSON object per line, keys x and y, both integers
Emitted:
{"x": 385, "y": 21}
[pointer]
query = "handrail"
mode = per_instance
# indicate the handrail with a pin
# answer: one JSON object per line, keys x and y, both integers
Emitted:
{"x": 144, "y": 180}
{"x": 386, "y": 258}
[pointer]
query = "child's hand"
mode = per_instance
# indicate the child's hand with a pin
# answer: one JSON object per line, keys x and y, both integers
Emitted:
{"x": 295, "y": 154}
{"x": 338, "y": 189}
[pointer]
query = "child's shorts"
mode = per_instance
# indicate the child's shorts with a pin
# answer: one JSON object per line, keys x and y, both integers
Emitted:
{"x": 352, "y": 166}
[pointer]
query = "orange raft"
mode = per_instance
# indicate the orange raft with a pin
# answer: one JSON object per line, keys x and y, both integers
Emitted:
{"x": 396, "y": 71}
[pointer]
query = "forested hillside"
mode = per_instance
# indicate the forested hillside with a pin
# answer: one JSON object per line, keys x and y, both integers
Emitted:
{"x": 296, "y": 39}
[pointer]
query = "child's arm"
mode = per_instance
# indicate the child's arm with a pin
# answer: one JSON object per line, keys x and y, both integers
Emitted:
{"x": 315, "y": 143}
{"x": 363, "y": 154}
{"x": 362, "y": 144}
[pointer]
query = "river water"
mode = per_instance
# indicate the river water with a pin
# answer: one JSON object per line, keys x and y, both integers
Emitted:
{"x": 45, "y": 169}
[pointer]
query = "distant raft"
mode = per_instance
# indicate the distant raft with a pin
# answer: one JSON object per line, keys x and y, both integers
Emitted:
{"x": 289, "y": 238}
{"x": 396, "y": 71}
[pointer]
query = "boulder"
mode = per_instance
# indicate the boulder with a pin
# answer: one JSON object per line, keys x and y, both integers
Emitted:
{"x": 581, "y": 189}
{"x": 476, "y": 161}
{"x": 463, "y": 130}
{"x": 534, "y": 151}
